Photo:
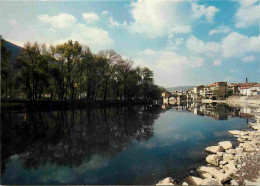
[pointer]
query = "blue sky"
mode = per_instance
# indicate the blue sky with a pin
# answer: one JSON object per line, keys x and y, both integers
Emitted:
{"x": 183, "y": 42}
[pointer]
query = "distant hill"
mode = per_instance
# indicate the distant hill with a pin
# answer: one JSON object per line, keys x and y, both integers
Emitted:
{"x": 15, "y": 50}
{"x": 179, "y": 88}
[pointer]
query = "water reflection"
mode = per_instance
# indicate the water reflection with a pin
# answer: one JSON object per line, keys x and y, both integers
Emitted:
{"x": 68, "y": 137}
{"x": 217, "y": 111}
{"x": 119, "y": 145}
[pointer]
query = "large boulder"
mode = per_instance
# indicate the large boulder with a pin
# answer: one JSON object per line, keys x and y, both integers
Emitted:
{"x": 192, "y": 180}
{"x": 231, "y": 151}
{"x": 247, "y": 147}
{"x": 220, "y": 154}
{"x": 166, "y": 181}
{"x": 227, "y": 157}
{"x": 215, "y": 173}
{"x": 214, "y": 149}
{"x": 230, "y": 167}
{"x": 256, "y": 127}
{"x": 206, "y": 175}
{"x": 212, "y": 159}
{"x": 225, "y": 144}
{"x": 210, "y": 181}
{"x": 234, "y": 132}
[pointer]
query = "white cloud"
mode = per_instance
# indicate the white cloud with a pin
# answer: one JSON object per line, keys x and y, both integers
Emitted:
{"x": 247, "y": 3}
{"x": 162, "y": 18}
{"x": 201, "y": 10}
{"x": 248, "y": 13}
{"x": 117, "y": 24}
{"x": 233, "y": 45}
{"x": 249, "y": 59}
{"x": 105, "y": 12}
{"x": 169, "y": 67}
{"x": 175, "y": 43}
{"x": 148, "y": 52}
{"x": 236, "y": 45}
{"x": 90, "y": 17}
{"x": 217, "y": 63}
{"x": 219, "y": 30}
{"x": 196, "y": 45}
{"x": 13, "y": 22}
{"x": 62, "y": 20}
{"x": 95, "y": 38}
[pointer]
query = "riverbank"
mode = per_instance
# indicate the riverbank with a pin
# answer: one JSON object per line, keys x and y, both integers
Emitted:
{"x": 230, "y": 165}
{"x": 255, "y": 99}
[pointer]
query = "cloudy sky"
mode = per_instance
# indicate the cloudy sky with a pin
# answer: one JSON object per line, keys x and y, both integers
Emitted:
{"x": 183, "y": 42}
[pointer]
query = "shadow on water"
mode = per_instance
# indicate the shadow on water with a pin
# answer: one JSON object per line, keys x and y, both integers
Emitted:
{"x": 67, "y": 137}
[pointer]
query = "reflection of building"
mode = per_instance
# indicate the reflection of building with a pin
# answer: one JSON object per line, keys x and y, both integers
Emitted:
{"x": 218, "y": 112}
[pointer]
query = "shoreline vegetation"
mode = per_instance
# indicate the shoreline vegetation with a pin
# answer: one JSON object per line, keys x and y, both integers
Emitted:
{"x": 226, "y": 164}
{"x": 71, "y": 72}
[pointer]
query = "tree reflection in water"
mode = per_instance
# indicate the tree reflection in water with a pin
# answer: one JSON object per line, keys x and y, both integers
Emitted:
{"x": 69, "y": 137}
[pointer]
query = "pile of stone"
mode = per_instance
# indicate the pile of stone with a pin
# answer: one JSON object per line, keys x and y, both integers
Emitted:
{"x": 225, "y": 162}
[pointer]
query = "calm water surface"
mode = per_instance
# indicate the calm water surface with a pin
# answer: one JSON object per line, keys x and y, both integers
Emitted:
{"x": 119, "y": 145}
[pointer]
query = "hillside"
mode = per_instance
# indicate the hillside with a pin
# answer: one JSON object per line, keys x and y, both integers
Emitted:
{"x": 15, "y": 50}
{"x": 179, "y": 88}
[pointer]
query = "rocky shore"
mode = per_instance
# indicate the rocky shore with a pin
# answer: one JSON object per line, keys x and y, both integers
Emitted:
{"x": 228, "y": 165}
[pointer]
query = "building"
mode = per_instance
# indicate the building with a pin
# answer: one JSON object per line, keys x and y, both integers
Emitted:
{"x": 246, "y": 88}
{"x": 178, "y": 92}
{"x": 197, "y": 92}
{"x": 254, "y": 90}
{"x": 166, "y": 94}
{"x": 215, "y": 90}
{"x": 190, "y": 94}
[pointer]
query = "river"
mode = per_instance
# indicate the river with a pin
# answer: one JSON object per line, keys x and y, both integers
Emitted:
{"x": 112, "y": 145}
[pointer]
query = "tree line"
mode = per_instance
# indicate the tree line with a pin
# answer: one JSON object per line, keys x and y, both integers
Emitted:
{"x": 70, "y": 71}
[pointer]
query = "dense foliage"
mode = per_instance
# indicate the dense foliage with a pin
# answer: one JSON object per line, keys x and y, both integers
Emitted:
{"x": 70, "y": 71}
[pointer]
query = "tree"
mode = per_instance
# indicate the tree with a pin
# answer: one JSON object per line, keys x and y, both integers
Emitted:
{"x": 72, "y": 71}
{"x": 67, "y": 56}
{"x": 33, "y": 69}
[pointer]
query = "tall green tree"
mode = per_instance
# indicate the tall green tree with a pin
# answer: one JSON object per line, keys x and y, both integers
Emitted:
{"x": 33, "y": 69}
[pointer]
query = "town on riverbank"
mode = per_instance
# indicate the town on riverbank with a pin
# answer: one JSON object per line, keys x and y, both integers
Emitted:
{"x": 216, "y": 92}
